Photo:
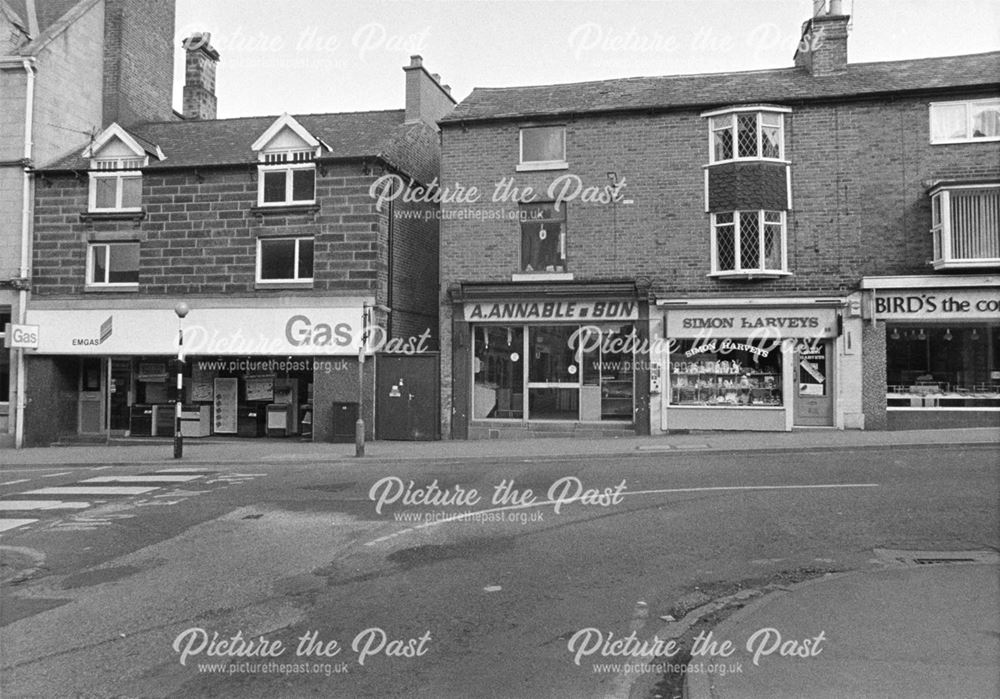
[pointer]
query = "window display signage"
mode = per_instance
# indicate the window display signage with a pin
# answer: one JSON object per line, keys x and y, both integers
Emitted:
{"x": 949, "y": 304}
{"x": 752, "y": 323}
{"x": 552, "y": 311}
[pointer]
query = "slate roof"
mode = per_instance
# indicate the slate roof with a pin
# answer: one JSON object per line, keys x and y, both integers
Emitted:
{"x": 785, "y": 85}
{"x": 228, "y": 141}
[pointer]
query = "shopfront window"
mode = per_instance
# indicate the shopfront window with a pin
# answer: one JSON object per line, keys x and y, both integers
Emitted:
{"x": 725, "y": 373}
{"x": 498, "y": 373}
{"x": 943, "y": 366}
{"x": 571, "y": 372}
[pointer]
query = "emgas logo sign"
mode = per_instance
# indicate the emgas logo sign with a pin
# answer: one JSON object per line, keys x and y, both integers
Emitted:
{"x": 107, "y": 328}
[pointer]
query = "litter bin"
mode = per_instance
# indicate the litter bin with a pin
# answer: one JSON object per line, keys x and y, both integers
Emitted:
{"x": 344, "y": 417}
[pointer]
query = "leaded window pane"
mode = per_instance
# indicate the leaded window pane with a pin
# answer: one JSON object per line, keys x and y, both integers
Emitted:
{"x": 746, "y": 135}
{"x": 749, "y": 241}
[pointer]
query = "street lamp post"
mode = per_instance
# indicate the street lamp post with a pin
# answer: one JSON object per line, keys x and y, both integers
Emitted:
{"x": 359, "y": 426}
{"x": 181, "y": 309}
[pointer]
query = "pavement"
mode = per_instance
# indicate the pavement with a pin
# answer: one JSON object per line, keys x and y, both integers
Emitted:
{"x": 930, "y": 630}
{"x": 250, "y": 451}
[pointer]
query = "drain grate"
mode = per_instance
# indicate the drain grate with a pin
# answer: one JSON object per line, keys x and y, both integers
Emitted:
{"x": 923, "y": 558}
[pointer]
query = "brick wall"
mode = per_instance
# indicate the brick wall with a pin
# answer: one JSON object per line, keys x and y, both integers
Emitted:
{"x": 138, "y": 60}
{"x": 859, "y": 203}
{"x": 200, "y": 237}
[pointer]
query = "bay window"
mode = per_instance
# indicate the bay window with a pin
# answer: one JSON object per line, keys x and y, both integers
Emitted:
{"x": 748, "y": 243}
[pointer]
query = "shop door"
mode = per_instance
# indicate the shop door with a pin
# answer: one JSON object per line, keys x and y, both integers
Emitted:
{"x": 814, "y": 385}
{"x": 90, "y": 404}
{"x": 406, "y": 397}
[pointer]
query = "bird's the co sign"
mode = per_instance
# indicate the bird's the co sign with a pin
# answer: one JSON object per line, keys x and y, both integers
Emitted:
{"x": 20, "y": 336}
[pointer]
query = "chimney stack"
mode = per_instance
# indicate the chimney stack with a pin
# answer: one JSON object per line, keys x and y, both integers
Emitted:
{"x": 823, "y": 48}
{"x": 199, "y": 77}
{"x": 427, "y": 99}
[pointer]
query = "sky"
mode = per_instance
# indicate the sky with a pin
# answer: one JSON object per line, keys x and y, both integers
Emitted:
{"x": 308, "y": 56}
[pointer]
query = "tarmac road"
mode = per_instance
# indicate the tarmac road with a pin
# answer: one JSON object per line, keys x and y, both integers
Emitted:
{"x": 496, "y": 605}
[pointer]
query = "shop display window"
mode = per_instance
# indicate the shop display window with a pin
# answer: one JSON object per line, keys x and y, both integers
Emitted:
{"x": 724, "y": 373}
{"x": 570, "y": 372}
{"x": 498, "y": 374}
{"x": 943, "y": 367}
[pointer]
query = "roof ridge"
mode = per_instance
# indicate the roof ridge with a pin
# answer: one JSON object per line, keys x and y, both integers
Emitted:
{"x": 730, "y": 72}
{"x": 142, "y": 124}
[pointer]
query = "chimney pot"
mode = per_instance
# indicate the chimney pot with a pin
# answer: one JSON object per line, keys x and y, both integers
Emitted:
{"x": 436, "y": 76}
{"x": 416, "y": 61}
{"x": 819, "y": 8}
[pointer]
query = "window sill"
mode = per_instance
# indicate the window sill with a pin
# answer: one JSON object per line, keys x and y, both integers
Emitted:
{"x": 779, "y": 161}
{"x": 285, "y": 284}
{"x": 285, "y": 209}
{"x": 541, "y": 276}
{"x": 956, "y": 141}
{"x": 748, "y": 276}
{"x": 984, "y": 263}
{"x": 546, "y": 165}
{"x": 133, "y": 215}
{"x": 109, "y": 288}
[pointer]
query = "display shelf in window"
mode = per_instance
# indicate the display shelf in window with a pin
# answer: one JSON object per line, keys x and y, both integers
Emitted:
{"x": 724, "y": 383}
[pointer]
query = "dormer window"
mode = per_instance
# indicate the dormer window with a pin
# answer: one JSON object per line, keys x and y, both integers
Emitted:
{"x": 287, "y": 154}
{"x": 116, "y": 184}
{"x": 116, "y": 161}
{"x": 746, "y": 134}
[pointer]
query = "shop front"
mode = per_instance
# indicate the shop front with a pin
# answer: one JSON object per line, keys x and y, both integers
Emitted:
{"x": 942, "y": 349}
{"x": 554, "y": 359}
{"x": 758, "y": 364}
{"x": 247, "y": 372}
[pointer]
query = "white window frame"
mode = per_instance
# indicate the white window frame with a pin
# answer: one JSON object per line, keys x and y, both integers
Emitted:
{"x": 968, "y": 138}
{"x": 758, "y": 272}
{"x": 295, "y": 261}
{"x": 942, "y": 234}
{"x": 288, "y": 161}
{"x": 529, "y": 165}
{"x": 118, "y": 169}
{"x": 91, "y": 246}
{"x": 734, "y": 113}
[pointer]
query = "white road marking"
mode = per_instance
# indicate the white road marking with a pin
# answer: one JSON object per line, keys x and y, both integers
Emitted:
{"x": 61, "y": 473}
{"x": 19, "y": 505}
{"x": 91, "y": 490}
{"x": 703, "y": 489}
{"x": 181, "y": 470}
{"x": 21, "y": 480}
{"x": 6, "y": 524}
{"x": 140, "y": 479}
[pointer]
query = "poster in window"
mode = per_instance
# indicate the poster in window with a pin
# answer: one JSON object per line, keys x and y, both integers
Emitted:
{"x": 812, "y": 374}
{"x": 201, "y": 385}
{"x": 260, "y": 388}
{"x": 225, "y": 406}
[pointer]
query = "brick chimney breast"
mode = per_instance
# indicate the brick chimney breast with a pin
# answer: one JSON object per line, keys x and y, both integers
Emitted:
{"x": 427, "y": 99}
{"x": 823, "y": 48}
{"x": 199, "y": 77}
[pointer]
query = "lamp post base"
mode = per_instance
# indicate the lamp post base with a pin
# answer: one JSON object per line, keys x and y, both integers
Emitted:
{"x": 359, "y": 437}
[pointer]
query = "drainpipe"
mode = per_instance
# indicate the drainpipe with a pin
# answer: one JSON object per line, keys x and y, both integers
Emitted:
{"x": 25, "y": 271}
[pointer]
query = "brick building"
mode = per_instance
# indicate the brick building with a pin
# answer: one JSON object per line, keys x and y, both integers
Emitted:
{"x": 67, "y": 69}
{"x": 270, "y": 230}
{"x": 711, "y": 251}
